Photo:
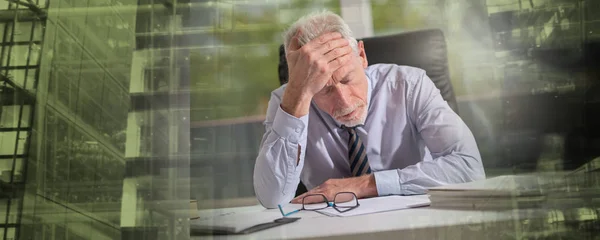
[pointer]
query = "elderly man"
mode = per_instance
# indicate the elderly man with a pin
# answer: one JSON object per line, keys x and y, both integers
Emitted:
{"x": 343, "y": 126}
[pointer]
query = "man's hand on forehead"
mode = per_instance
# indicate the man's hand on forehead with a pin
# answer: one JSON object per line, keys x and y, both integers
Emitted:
{"x": 324, "y": 55}
{"x": 311, "y": 67}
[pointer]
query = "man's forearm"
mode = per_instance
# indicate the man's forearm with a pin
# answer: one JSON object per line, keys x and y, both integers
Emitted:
{"x": 417, "y": 178}
{"x": 367, "y": 186}
{"x": 295, "y": 101}
{"x": 276, "y": 175}
{"x": 277, "y": 169}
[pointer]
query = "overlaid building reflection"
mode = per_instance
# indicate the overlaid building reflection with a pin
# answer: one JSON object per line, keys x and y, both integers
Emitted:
{"x": 91, "y": 123}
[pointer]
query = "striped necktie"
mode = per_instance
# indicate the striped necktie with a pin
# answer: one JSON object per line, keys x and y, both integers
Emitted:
{"x": 359, "y": 163}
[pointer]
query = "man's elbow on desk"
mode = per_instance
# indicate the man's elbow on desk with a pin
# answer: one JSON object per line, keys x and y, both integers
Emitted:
{"x": 270, "y": 196}
{"x": 272, "y": 201}
{"x": 473, "y": 169}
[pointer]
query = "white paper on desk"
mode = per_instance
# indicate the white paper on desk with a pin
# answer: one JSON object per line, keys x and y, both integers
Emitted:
{"x": 381, "y": 204}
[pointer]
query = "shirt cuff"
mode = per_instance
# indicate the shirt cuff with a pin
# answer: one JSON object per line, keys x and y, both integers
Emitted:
{"x": 288, "y": 126}
{"x": 388, "y": 182}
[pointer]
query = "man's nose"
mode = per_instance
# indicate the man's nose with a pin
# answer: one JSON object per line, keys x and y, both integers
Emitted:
{"x": 341, "y": 95}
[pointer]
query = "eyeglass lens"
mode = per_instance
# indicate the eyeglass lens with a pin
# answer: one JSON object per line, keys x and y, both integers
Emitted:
{"x": 315, "y": 202}
{"x": 345, "y": 200}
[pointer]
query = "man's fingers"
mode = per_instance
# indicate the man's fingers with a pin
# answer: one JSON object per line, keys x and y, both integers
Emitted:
{"x": 298, "y": 199}
{"x": 308, "y": 199}
{"x": 338, "y": 52}
{"x": 343, "y": 68}
{"x": 331, "y": 46}
{"x": 314, "y": 198}
{"x": 311, "y": 199}
{"x": 327, "y": 37}
{"x": 339, "y": 66}
{"x": 322, "y": 40}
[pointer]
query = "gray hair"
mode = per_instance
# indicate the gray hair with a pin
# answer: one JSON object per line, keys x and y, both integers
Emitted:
{"x": 315, "y": 24}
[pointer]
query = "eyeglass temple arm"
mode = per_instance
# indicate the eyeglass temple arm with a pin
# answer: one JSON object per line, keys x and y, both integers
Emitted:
{"x": 286, "y": 214}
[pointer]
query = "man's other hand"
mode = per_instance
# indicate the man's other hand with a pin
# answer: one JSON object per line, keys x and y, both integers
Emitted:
{"x": 311, "y": 67}
{"x": 363, "y": 187}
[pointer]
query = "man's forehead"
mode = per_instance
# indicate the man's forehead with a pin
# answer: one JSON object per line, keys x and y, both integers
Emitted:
{"x": 339, "y": 76}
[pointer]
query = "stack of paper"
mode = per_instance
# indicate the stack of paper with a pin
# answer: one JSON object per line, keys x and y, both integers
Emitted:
{"x": 503, "y": 192}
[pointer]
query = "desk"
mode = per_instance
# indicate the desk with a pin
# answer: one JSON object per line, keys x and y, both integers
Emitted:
{"x": 416, "y": 223}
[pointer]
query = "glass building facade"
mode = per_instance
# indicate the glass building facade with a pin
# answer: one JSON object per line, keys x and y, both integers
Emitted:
{"x": 90, "y": 118}
{"x": 114, "y": 114}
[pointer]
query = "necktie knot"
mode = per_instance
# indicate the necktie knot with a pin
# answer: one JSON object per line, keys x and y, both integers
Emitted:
{"x": 349, "y": 129}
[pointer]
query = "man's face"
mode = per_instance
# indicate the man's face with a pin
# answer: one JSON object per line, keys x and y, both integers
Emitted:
{"x": 345, "y": 96}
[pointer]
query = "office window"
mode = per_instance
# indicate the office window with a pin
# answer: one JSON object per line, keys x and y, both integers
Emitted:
{"x": 4, "y": 31}
{"x": 56, "y": 158}
{"x": 24, "y": 77}
{"x": 111, "y": 181}
{"x": 19, "y": 55}
{"x": 205, "y": 16}
{"x": 12, "y": 207}
{"x": 12, "y": 114}
{"x": 89, "y": 110}
{"x": 65, "y": 83}
{"x": 74, "y": 25}
{"x": 92, "y": 81}
{"x": 11, "y": 168}
{"x": 82, "y": 166}
{"x": 67, "y": 53}
{"x": 3, "y": 207}
{"x": 14, "y": 211}
{"x": 206, "y": 61}
{"x": 13, "y": 142}
{"x": 25, "y": 31}
{"x": 116, "y": 102}
{"x": 10, "y": 233}
{"x": 41, "y": 3}
{"x": 157, "y": 79}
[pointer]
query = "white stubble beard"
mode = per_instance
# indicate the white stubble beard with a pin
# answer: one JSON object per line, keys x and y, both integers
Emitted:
{"x": 359, "y": 120}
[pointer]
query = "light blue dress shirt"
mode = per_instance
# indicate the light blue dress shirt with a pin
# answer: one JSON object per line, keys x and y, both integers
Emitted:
{"x": 413, "y": 139}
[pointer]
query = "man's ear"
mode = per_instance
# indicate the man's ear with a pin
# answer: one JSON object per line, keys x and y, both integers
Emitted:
{"x": 362, "y": 54}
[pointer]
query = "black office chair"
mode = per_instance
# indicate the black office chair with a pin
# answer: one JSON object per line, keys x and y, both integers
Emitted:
{"x": 425, "y": 49}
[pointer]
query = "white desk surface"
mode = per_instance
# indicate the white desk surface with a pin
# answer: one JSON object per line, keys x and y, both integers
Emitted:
{"x": 416, "y": 223}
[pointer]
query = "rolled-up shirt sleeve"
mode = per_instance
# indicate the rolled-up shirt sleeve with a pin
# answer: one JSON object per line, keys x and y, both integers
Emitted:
{"x": 281, "y": 156}
{"x": 454, "y": 152}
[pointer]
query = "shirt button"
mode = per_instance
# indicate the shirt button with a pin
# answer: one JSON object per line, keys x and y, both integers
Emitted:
{"x": 298, "y": 130}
